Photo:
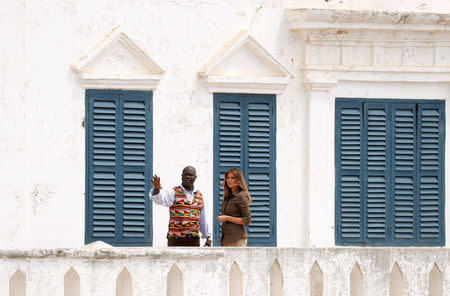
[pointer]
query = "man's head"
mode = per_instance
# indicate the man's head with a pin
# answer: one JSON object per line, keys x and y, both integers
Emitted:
{"x": 188, "y": 177}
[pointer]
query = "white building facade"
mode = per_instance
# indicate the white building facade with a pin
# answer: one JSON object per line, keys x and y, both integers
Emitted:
{"x": 334, "y": 111}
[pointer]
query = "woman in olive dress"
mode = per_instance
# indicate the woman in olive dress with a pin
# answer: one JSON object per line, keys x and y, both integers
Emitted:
{"x": 234, "y": 210}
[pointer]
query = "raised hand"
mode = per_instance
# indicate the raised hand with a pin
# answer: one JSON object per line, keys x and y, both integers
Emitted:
{"x": 156, "y": 183}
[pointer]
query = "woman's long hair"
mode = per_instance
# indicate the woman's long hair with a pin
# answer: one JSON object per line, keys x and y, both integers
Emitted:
{"x": 239, "y": 180}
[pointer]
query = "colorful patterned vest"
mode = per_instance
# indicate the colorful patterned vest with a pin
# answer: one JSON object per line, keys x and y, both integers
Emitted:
{"x": 185, "y": 216}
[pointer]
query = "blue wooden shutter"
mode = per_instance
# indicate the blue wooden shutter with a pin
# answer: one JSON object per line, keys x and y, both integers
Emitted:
{"x": 118, "y": 163}
{"x": 101, "y": 163}
{"x": 136, "y": 167}
{"x": 349, "y": 126}
{"x": 244, "y": 137}
{"x": 430, "y": 175}
{"x": 390, "y": 177}
{"x": 228, "y": 145}
{"x": 403, "y": 172}
{"x": 260, "y": 168}
{"x": 375, "y": 171}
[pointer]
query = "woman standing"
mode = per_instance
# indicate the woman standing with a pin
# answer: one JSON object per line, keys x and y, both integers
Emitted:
{"x": 235, "y": 210}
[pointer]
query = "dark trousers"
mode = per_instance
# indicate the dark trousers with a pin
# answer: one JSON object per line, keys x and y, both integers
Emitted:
{"x": 183, "y": 242}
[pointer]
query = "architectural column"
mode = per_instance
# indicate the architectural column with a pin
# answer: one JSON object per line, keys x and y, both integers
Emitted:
{"x": 321, "y": 164}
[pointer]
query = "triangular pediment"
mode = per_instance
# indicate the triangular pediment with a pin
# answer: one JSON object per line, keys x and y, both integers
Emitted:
{"x": 119, "y": 61}
{"x": 245, "y": 62}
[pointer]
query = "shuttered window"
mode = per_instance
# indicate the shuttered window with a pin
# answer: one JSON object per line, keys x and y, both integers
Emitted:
{"x": 118, "y": 167}
{"x": 389, "y": 172}
{"x": 244, "y": 137}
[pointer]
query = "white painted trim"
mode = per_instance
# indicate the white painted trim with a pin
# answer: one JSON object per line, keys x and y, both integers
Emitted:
{"x": 263, "y": 85}
{"x": 125, "y": 81}
{"x": 136, "y": 82}
{"x": 321, "y": 85}
{"x": 397, "y": 74}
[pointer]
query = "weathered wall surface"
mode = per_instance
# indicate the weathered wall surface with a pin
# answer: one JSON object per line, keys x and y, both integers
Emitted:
{"x": 42, "y": 142}
{"x": 42, "y": 105}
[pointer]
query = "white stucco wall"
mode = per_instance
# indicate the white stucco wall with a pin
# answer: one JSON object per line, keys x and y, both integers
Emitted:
{"x": 42, "y": 141}
{"x": 42, "y": 106}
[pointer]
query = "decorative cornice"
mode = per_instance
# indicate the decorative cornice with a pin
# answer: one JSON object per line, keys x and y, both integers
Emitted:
{"x": 319, "y": 19}
{"x": 241, "y": 39}
{"x": 92, "y": 79}
{"x": 373, "y": 45}
{"x": 245, "y": 83}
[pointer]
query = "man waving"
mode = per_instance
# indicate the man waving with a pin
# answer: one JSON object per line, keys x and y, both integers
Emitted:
{"x": 187, "y": 210}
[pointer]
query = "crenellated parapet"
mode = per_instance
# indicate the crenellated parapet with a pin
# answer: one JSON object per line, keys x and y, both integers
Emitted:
{"x": 220, "y": 271}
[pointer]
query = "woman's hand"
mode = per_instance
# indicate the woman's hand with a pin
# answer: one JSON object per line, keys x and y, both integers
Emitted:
{"x": 226, "y": 218}
{"x": 222, "y": 218}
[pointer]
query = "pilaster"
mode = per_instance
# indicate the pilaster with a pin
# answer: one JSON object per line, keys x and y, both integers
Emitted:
{"x": 320, "y": 162}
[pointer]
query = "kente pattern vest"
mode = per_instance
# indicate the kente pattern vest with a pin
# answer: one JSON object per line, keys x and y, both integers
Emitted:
{"x": 185, "y": 216}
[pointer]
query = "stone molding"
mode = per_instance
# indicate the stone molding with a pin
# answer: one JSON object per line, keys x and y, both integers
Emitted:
{"x": 317, "y": 19}
{"x": 374, "y": 46}
{"x": 115, "y": 253}
{"x": 96, "y": 78}
{"x": 212, "y": 253}
{"x": 244, "y": 83}
{"x": 342, "y": 73}
{"x": 320, "y": 85}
